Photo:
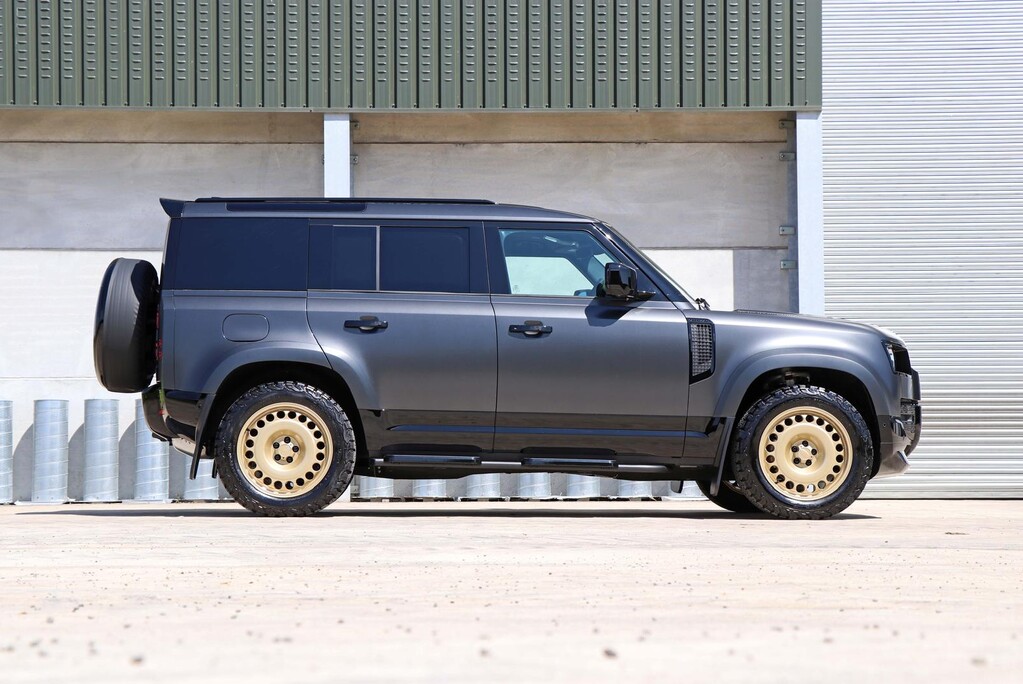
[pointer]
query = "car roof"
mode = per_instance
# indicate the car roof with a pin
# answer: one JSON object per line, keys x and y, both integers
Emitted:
{"x": 365, "y": 207}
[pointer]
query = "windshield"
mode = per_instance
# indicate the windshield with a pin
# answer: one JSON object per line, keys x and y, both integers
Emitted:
{"x": 649, "y": 263}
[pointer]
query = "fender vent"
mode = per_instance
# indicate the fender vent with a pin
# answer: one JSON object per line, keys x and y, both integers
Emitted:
{"x": 701, "y": 349}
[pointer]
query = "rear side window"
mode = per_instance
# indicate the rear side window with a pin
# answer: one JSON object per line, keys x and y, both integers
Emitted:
{"x": 410, "y": 259}
{"x": 424, "y": 259}
{"x": 343, "y": 258}
{"x": 241, "y": 254}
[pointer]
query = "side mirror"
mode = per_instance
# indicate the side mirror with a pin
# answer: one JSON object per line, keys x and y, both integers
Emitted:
{"x": 619, "y": 281}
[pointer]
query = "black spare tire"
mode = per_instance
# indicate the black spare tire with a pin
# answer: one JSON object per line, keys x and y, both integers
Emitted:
{"x": 124, "y": 338}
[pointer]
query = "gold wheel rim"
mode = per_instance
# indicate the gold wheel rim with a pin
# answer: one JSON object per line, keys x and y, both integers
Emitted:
{"x": 284, "y": 450}
{"x": 805, "y": 453}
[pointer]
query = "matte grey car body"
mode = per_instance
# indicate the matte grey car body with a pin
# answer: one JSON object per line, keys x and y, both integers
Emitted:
{"x": 478, "y": 378}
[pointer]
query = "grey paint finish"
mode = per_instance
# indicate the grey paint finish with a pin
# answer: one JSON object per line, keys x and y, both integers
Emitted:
{"x": 409, "y": 363}
{"x": 750, "y": 344}
{"x": 657, "y": 195}
{"x": 604, "y": 368}
{"x": 201, "y": 360}
{"x": 104, "y": 196}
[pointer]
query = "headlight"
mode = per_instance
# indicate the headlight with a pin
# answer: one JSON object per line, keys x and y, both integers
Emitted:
{"x": 891, "y": 353}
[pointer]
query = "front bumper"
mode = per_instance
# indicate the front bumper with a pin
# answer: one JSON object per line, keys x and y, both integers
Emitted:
{"x": 900, "y": 434}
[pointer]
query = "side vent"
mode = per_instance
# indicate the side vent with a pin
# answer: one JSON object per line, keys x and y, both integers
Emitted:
{"x": 701, "y": 349}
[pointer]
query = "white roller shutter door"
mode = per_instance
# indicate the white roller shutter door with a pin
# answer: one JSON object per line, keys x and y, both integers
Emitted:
{"x": 923, "y": 219}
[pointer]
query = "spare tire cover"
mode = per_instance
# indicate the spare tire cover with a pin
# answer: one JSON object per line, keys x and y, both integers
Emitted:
{"x": 124, "y": 338}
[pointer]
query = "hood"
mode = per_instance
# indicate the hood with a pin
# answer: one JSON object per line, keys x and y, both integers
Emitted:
{"x": 796, "y": 323}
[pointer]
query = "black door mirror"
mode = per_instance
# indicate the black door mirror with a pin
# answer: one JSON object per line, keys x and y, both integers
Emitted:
{"x": 620, "y": 283}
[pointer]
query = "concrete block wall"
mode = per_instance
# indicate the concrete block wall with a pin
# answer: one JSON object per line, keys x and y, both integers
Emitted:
{"x": 693, "y": 189}
{"x": 703, "y": 193}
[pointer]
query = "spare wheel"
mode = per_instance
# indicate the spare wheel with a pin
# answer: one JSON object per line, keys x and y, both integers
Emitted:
{"x": 124, "y": 340}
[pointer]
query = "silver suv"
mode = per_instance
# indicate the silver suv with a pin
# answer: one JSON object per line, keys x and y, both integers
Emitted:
{"x": 299, "y": 341}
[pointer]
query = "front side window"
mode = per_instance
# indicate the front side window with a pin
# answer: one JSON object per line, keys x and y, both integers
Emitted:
{"x": 553, "y": 263}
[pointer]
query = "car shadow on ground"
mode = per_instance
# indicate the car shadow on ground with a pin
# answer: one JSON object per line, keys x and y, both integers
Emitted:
{"x": 404, "y": 510}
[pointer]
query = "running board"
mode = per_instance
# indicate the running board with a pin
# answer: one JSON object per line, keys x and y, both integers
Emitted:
{"x": 427, "y": 459}
{"x": 574, "y": 463}
{"x": 523, "y": 464}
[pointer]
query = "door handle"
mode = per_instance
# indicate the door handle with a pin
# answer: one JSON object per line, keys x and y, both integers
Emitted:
{"x": 531, "y": 328}
{"x": 367, "y": 324}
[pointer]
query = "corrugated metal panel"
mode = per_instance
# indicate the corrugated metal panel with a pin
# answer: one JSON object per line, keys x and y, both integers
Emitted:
{"x": 411, "y": 54}
{"x": 923, "y": 215}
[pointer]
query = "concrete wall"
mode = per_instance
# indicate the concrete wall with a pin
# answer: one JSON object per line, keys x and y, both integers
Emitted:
{"x": 686, "y": 185}
{"x": 703, "y": 193}
{"x": 88, "y": 180}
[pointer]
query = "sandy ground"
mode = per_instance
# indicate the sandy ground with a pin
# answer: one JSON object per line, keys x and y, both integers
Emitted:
{"x": 922, "y": 591}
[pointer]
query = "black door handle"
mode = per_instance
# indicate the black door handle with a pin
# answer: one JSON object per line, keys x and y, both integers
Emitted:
{"x": 531, "y": 328}
{"x": 367, "y": 324}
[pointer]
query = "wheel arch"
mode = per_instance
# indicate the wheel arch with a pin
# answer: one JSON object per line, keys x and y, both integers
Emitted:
{"x": 247, "y": 376}
{"x": 840, "y": 381}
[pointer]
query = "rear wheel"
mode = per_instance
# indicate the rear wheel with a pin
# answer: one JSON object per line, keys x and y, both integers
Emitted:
{"x": 728, "y": 497}
{"x": 285, "y": 449}
{"x": 802, "y": 453}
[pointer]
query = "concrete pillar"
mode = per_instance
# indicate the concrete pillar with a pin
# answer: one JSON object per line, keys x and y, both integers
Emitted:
{"x": 337, "y": 155}
{"x": 49, "y": 470}
{"x": 375, "y": 487}
{"x": 810, "y": 211}
{"x": 582, "y": 486}
{"x": 430, "y": 489}
{"x": 486, "y": 486}
{"x": 635, "y": 489}
{"x": 6, "y": 452}
{"x": 152, "y": 459}
{"x": 101, "y": 450}
{"x": 534, "y": 486}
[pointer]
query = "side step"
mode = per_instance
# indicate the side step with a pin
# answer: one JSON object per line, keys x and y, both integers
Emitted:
{"x": 487, "y": 463}
{"x": 573, "y": 463}
{"x": 427, "y": 459}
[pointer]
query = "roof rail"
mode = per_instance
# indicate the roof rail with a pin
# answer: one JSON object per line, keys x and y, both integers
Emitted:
{"x": 345, "y": 200}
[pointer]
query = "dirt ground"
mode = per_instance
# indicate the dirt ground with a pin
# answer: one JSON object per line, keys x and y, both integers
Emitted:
{"x": 906, "y": 591}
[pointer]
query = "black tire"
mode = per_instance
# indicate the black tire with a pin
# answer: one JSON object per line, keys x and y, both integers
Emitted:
{"x": 330, "y": 485}
{"x": 850, "y": 464}
{"x": 124, "y": 336}
{"x": 728, "y": 497}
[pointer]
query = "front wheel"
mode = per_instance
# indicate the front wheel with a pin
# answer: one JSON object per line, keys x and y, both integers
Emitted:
{"x": 285, "y": 449}
{"x": 803, "y": 453}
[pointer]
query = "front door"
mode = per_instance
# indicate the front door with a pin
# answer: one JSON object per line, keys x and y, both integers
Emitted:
{"x": 402, "y": 308}
{"x": 582, "y": 375}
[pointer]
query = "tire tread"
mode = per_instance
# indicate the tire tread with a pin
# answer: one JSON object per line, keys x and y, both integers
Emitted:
{"x": 744, "y": 446}
{"x": 225, "y": 445}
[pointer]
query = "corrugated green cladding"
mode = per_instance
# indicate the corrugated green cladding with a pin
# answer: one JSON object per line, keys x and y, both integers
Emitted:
{"x": 411, "y": 54}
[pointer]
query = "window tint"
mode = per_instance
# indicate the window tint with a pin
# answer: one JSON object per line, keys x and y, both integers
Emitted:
{"x": 241, "y": 254}
{"x": 343, "y": 258}
{"x": 424, "y": 259}
{"x": 556, "y": 263}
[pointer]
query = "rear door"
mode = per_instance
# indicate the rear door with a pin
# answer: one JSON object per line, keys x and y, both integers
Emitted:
{"x": 580, "y": 374}
{"x": 406, "y": 303}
